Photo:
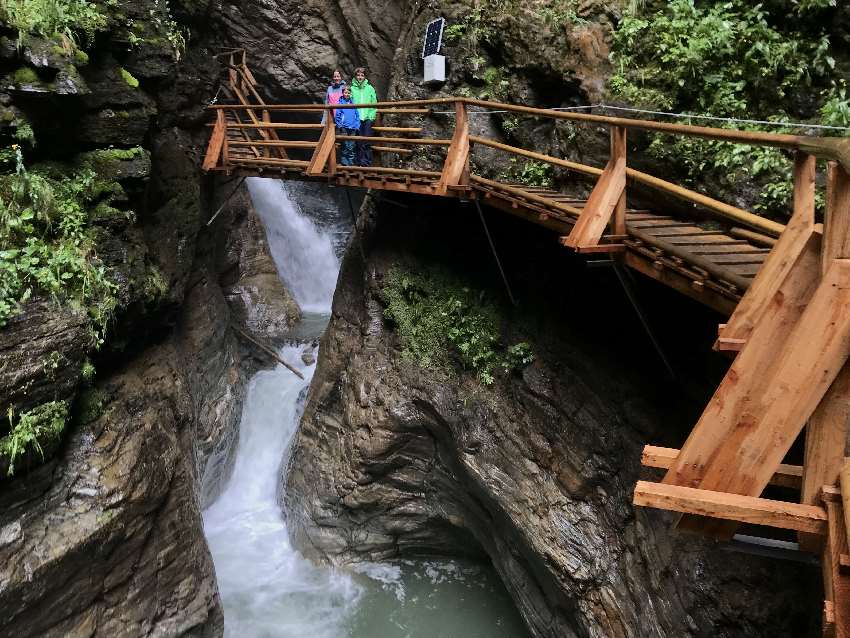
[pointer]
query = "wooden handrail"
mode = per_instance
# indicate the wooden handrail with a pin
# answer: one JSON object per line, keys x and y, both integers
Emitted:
{"x": 829, "y": 148}
{"x": 738, "y": 215}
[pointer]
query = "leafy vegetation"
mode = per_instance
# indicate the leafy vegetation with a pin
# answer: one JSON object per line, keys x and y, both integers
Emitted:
{"x": 33, "y": 430}
{"x": 732, "y": 59}
{"x": 68, "y": 19}
{"x": 530, "y": 173}
{"x": 48, "y": 243}
{"x": 440, "y": 320}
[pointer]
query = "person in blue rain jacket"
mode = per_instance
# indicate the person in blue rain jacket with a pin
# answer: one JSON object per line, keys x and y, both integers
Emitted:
{"x": 347, "y": 123}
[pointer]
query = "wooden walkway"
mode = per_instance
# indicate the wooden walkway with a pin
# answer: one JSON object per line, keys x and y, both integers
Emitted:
{"x": 785, "y": 289}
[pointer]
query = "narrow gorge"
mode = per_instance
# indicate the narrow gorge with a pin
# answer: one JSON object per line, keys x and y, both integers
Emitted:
{"x": 250, "y": 406}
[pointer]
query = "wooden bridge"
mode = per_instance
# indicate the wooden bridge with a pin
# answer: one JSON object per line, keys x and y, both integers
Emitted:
{"x": 785, "y": 289}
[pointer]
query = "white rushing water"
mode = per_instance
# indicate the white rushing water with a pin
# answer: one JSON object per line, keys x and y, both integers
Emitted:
{"x": 305, "y": 258}
{"x": 267, "y": 588}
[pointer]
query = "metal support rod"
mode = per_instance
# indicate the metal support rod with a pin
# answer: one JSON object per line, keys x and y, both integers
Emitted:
{"x": 495, "y": 254}
{"x": 227, "y": 199}
{"x": 630, "y": 293}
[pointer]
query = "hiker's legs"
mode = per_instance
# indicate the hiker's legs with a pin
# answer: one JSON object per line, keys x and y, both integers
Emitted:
{"x": 364, "y": 149}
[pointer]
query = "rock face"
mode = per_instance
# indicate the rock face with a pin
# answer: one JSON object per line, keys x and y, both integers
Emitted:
{"x": 108, "y": 540}
{"x": 535, "y": 472}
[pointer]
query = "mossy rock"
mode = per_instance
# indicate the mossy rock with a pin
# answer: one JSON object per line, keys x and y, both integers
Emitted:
{"x": 117, "y": 164}
{"x": 26, "y": 76}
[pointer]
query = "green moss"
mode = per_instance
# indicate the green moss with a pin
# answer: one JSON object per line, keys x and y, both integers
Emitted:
{"x": 129, "y": 79}
{"x": 155, "y": 286}
{"x": 25, "y": 75}
{"x": 81, "y": 58}
{"x": 34, "y": 429}
{"x": 90, "y": 405}
{"x": 57, "y": 50}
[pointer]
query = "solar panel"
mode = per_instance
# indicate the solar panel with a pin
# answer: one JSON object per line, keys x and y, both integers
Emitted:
{"x": 433, "y": 37}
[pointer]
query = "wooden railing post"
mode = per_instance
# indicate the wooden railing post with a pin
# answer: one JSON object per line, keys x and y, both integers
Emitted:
{"x": 618, "y": 150}
{"x": 325, "y": 153}
{"x": 456, "y": 169}
{"x": 826, "y": 432}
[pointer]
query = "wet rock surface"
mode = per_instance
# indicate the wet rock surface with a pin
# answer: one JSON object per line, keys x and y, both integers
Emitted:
{"x": 107, "y": 540}
{"x": 535, "y": 472}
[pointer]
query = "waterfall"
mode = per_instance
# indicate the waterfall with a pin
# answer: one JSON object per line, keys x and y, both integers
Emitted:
{"x": 267, "y": 588}
{"x": 304, "y": 258}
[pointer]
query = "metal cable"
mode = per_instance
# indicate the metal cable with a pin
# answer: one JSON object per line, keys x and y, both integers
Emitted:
{"x": 495, "y": 254}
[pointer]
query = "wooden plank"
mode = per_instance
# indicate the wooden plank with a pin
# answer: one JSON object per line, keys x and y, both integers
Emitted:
{"x": 790, "y": 476}
{"x": 732, "y": 258}
{"x": 727, "y": 250}
{"x": 745, "y": 378}
{"x": 216, "y": 142}
{"x": 799, "y": 372}
{"x": 743, "y": 269}
{"x": 732, "y": 507}
{"x": 456, "y": 167}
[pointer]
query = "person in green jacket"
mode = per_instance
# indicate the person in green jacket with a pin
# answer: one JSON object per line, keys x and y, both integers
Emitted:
{"x": 364, "y": 93}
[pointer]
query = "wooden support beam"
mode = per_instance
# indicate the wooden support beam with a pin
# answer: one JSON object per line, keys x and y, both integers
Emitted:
{"x": 772, "y": 414}
{"x": 732, "y": 507}
{"x": 790, "y": 476}
{"x": 216, "y": 142}
{"x": 607, "y": 198}
{"x": 761, "y": 295}
{"x": 750, "y": 372}
{"x": 456, "y": 167}
{"x": 325, "y": 148}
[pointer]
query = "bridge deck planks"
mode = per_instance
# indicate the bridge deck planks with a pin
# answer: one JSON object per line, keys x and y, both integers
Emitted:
{"x": 544, "y": 206}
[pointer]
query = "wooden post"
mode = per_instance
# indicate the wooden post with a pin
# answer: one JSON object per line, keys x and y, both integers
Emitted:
{"x": 826, "y": 433}
{"x": 456, "y": 169}
{"x": 836, "y": 585}
{"x": 618, "y": 149}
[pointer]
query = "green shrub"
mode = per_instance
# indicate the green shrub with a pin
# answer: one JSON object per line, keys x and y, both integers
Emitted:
{"x": 729, "y": 59}
{"x": 51, "y": 18}
{"x": 48, "y": 243}
{"x": 33, "y": 430}
{"x": 441, "y": 320}
{"x": 530, "y": 173}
